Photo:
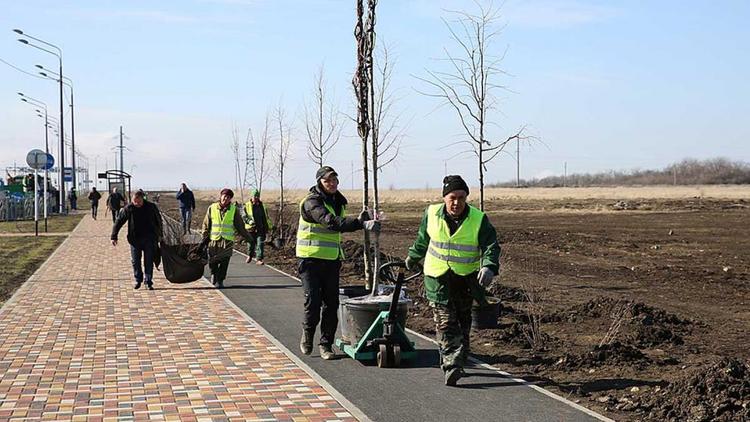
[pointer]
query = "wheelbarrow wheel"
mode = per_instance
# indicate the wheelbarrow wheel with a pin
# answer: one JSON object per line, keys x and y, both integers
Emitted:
{"x": 396, "y": 356}
{"x": 383, "y": 356}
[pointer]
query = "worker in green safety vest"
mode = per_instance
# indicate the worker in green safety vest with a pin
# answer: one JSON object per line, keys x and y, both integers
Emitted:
{"x": 258, "y": 223}
{"x": 221, "y": 225}
{"x": 461, "y": 256}
{"x": 322, "y": 220}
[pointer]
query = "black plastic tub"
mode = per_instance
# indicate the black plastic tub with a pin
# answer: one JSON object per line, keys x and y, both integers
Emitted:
{"x": 360, "y": 312}
{"x": 486, "y": 316}
{"x": 347, "y": 292}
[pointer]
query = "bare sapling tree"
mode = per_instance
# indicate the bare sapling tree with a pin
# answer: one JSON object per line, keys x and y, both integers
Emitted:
{"x": 323, "y": 124}
{"x": 621, "y": 313}
{"x": 249, "y": 174}
{"x": 364, "y": 33}
{"x": 468, "y": 84}
{"x": 235, "y": 147}
{"x": 262, "y": 154}
{"x": 386, "y": 131}
{"x": 282, "y": 159}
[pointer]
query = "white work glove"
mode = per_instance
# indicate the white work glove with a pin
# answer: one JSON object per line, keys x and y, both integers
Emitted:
{"x": 485, "y": 276}
{"x": 372, "y": 226}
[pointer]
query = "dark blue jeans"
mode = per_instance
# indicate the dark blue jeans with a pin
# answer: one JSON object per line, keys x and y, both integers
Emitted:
{"x": 143, "y": 248}
{"x": 187, "y": 215}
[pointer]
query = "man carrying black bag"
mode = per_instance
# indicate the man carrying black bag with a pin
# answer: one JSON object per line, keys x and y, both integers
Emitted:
{"x": 144, "y": 230}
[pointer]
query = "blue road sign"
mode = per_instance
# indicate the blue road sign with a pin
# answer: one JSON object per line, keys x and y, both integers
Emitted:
{"x": 68, "y": 174}
{"x": 50, "y": 162}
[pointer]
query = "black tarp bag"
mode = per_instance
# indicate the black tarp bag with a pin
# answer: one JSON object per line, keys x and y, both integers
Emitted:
{"x": 183, "y": 263}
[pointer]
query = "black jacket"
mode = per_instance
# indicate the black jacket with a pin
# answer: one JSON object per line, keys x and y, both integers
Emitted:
{"x": 187, "y": 199}
{"x": 153, "y": 222}
{"x": 314, "y": 211}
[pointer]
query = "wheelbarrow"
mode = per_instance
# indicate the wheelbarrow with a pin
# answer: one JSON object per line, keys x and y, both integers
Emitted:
{"x": 375, "y": 323}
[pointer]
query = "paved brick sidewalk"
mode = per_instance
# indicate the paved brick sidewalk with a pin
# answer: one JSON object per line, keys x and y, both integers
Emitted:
{"x": 78, "y": 343}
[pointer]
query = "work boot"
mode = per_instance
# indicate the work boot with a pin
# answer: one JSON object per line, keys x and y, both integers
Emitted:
{"x": 326, "y": 352}
{"x": 305, "y": 343}
{"x": 137, "y": 285}
{"x": 452, "y": 376}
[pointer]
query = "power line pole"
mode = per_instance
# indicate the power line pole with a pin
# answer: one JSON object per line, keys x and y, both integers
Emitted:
{"x": 565, "y": 173}
{"x": 122, "y": 166}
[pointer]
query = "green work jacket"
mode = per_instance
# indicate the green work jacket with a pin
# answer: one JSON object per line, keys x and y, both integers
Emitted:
{"x": 436, "y": 289}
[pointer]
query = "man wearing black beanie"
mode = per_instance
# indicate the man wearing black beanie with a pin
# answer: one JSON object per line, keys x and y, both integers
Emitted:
{"x": 322, "y": 219}
{"x": 460, "y": 250}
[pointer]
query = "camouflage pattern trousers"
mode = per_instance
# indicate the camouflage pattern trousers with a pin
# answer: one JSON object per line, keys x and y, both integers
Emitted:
{"x": 453, "y": 327}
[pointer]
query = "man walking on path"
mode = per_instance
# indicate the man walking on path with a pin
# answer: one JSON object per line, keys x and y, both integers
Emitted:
{"x": 187, "y": 206}
{"x": 321, "y": 222}
{"x": 73, "y": 198}
{"x": 115, "y": 202}
{"x": 94, "y": 197}
{"x": 257, "y": 221}
{"x": 220, "y": 226}
{"x": 459, "y": 247}
{"x": 144, "y": 230}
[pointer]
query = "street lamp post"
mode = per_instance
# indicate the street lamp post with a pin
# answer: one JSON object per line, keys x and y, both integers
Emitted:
{"x": 69, "y": 84}
{"x": 62, "y": 132}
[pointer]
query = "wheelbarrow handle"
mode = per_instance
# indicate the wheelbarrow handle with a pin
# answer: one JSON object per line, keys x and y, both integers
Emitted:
{"x": 399, "y": 264}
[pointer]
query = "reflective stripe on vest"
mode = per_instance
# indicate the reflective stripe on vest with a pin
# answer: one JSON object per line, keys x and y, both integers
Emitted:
{"x": 222, "y": 227}
{"x": 317, "y": 241}
{"x": 458, "y": 252}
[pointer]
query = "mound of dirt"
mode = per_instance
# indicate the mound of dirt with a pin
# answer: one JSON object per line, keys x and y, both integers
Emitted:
{"x": 645, "y": 326}
{"x": 719, "y": 392}
{"x": 607, "y": 354}
{"x": 506, "y": 293}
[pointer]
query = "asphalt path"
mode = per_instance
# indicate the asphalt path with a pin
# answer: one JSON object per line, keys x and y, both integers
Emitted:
{"x": 416, "y": 390}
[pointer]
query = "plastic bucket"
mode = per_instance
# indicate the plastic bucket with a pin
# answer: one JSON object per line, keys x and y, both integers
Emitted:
{"x": 361, "y": 312}
{"x": 346, "y": 292}
{"x": 486, "y": 315}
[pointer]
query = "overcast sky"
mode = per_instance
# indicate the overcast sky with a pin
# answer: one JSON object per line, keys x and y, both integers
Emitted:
{"x": 604, "y": 84}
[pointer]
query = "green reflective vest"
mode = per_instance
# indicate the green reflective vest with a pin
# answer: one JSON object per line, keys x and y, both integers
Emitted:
{"x": 458, "y": 252}
{"x": 250, "y": 222}
{"x": 317, "y": 241}
{"x": 222, "y": 227}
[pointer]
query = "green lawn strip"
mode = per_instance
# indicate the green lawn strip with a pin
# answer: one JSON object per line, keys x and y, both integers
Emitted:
{"x": 55, "y": 224}
{"x": 20, "y": 257}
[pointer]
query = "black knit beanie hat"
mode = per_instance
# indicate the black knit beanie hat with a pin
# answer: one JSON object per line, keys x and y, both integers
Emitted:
{"x": 454, "y": 182}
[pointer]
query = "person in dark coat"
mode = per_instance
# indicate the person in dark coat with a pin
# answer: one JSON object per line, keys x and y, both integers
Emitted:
{"x": 115, "y": 202}
{"x": 321, "y": 222}
{"x": 94, "y": 197}
{"x": 144, "y": 230}
{"x": 187, "y": 206}
{"x": 73, "y": 198}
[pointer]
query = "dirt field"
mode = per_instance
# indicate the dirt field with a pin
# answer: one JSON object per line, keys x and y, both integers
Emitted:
{"x": 637, "y": 308}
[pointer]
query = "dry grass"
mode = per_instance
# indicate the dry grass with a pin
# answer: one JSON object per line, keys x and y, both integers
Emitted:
{"x": 21, "y": 256}
{"x": 527, "y": 194}
{"x": 55, "y": 224}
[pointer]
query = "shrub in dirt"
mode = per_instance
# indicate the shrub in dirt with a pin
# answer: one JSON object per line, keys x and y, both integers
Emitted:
{"x": 718, "y": 392}
{"x": 614, "y": 353}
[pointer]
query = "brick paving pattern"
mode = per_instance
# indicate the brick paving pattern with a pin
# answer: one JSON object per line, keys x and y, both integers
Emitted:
{"x": 78, "y": 343}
